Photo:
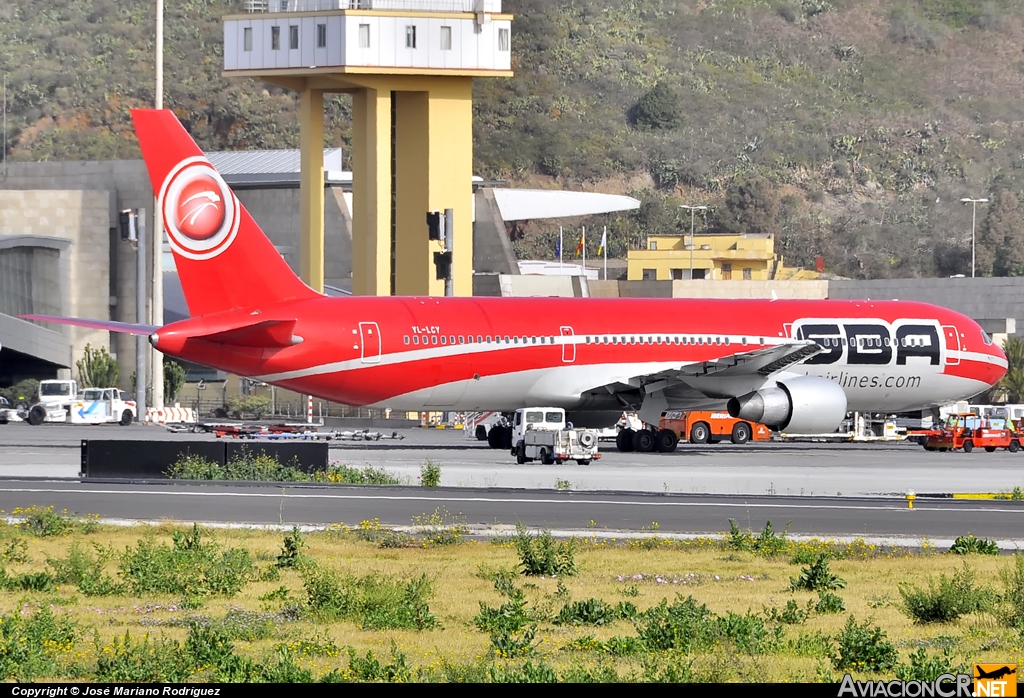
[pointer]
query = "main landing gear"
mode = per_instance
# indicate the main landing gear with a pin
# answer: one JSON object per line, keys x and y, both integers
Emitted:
{"x": 646, "y": 440}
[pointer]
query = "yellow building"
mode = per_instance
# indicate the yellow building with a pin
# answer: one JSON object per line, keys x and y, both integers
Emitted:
{"x": 718, "y": 257}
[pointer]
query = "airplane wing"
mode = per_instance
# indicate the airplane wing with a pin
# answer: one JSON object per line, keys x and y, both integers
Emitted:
{"x": 761, "y": 362}
{"x": 704, "y": 384}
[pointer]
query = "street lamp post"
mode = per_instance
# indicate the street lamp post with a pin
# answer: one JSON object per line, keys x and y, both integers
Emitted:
{"x": 692, "y": 210}
{"x": 974, "y": 217}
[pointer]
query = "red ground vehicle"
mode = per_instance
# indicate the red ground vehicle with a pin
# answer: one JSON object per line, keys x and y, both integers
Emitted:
{"x": 969, "y": 430}
{"x": 712, "y": 427}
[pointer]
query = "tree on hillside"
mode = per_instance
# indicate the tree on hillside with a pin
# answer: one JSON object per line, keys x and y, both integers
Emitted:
{"x": 1000, "y": 243}
{"x": 658, "y": 109}
{"x": 751, "y": 206}
{"x": 1013, "y": 382}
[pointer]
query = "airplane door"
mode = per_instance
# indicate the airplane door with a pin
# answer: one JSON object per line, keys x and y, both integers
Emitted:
{"x": 369, "y": 338}
{"x": 568, "y": 345}
{"x": 952, "y": 344}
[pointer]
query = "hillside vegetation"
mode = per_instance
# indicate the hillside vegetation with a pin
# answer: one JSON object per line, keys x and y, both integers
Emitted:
{"x": 850, "y": 129}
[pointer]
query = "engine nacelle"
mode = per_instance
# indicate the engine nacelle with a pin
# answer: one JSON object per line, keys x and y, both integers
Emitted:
{"x": 798, "y": 405}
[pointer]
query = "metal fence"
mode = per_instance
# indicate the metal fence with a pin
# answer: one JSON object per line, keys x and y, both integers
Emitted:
{"x": 255, "y": 6}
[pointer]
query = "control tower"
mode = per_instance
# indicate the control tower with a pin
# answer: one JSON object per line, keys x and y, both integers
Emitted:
{"x": 409, "y": 66}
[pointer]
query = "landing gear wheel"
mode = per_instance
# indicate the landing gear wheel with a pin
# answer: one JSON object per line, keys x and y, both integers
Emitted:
{"x": 700, "y": 433}
{"x": 37, "y": 415}
{"x": 665, "y": 441}
{"x": 624, "y": 440}
{"x": 481, "y": 432}
{"x": 1014, "y": 446}
{"x": 741, "y": 433}
{"x": 968, "y": 446}
{"x": 643, "y": 441}
{"x": 126, "y": 418}
{"x": 495, "y": 437}
{"x": 990, "y": 449}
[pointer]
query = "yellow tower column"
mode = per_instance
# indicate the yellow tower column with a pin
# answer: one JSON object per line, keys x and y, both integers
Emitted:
{"x": 311, "y": 187}
{"x": 371, "y": 192}
{"x": 434, "y": 172}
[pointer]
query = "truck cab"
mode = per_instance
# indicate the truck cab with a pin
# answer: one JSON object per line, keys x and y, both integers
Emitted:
{"x": 546, "y": 418}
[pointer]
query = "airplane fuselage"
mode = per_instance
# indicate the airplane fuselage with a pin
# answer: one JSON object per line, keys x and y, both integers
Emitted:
{"x": 504, "y": 353}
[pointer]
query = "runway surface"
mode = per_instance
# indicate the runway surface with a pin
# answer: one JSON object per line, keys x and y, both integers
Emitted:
{"x": 874, "y": 518}
{"x": 53, "y": 451}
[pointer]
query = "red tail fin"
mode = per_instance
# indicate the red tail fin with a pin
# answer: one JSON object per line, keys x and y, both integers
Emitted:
{"x": 223, "y": 258}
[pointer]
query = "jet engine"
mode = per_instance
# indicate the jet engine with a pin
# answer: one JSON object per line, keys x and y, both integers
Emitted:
{"x": 798, "y": 405}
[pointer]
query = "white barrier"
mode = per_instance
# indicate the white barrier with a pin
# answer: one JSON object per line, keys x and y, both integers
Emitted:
{"x": 170, "y": 415}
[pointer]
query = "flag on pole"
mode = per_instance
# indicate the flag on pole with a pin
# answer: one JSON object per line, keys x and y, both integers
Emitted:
{"x": 558, "y": 246}
{"x": 579, "y": 247}
{"x": 604, "y": 241}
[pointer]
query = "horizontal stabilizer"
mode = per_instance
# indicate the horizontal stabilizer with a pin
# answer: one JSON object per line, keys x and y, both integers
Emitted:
{"x": 266, "y": 334}
{"x": 109, "y": 325}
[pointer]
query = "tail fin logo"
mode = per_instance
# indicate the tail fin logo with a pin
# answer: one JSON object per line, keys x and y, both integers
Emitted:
{"x": 200, "y": 213}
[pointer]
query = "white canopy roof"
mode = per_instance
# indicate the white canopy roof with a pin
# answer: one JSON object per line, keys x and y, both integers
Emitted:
{"x": 531, "y": 204}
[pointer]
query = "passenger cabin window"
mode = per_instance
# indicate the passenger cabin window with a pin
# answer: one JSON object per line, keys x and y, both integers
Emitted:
{"x": 406, "y": 338}
{"x": 415, "y": 339}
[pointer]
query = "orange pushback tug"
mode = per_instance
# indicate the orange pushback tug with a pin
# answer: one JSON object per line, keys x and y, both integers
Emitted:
{"x": 712, "y": 427}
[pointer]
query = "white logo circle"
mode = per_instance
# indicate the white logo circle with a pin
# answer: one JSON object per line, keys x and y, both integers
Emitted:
{"x": 199, "y": 211}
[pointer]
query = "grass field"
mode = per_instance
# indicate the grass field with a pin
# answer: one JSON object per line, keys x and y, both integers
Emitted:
{"x": 175, "y": 603}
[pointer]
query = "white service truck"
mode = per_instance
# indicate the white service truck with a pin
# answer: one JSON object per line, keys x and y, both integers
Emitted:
{"x": 59, "y": 401}
{"x": 541, "y": 433}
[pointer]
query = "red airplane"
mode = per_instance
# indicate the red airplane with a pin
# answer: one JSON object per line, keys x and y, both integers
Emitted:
{"x": 795, "y": 365}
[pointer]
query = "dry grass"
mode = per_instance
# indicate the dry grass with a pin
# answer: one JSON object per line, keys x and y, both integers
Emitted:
{"x": 723, "y": 579}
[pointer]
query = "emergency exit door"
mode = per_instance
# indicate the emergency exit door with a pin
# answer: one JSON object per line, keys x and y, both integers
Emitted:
{"x": 952, "y": 345}
{"x": 568, "y": 344}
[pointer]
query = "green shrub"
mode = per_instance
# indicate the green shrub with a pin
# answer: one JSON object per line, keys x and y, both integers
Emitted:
{"x": 817, "y": 577}
{"x": 125, "y": 660}
{"x": 191, "y": 567}
{"x": 291, "y": 554}
{"x": 966, "y": 545}
{"x": 684, "y": 625}
{"x": 1013, "y": 591}
{"x": 528, "y": 673}
{"x": 829, "y": 603}
{"x": 946, "y": 600}
{"x": 430, "y": 474}
{"x": 790, "y": 615}
{"x": 511, "y": 616}
{"x": 767, "y": 543}
{"x": 30, "y": 646}
{"x": 341, "y": 474}
{"x": 260, "y": 467}
{"x": 374, "y": 601}
{"x": 659, "y": 108}
{"x": 925, "y": 667}
{"x": 85, "y": 571}
{"x": 594, "y": 612}
{"x": 860, "y": 647}
{"x": 441, "y": 528}
{"x": 370, "y": 668}
{"x": 507, "y": 644}
{"x": 541, "y": 555}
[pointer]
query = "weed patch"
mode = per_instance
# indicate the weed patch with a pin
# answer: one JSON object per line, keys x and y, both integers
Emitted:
{"x": 440, "y": 528}
{"x": 430, "y": 474}
{"x": 967, "y": 545}
{"x": 542, "y": 555}
{"x": 594, "y": 612}
{"x": 860, "y": 647}
{"x": 816, "y": 577}
{"x": 925, "y": 667}
{"x": 375, "y": 601}
{"x": 34, "y": 646}
{"x": 767, "y": 543}
{"x": 946, "y": 600}
{"x": 260, "y": 467}
{"x": 191, "y": 567}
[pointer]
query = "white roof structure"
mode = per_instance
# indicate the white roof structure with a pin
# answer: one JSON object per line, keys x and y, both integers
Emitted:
{"x": 531, "y": 204}
{"x": 247, "y": 162}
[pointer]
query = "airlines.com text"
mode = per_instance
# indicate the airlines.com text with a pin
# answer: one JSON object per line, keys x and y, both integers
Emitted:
{"x": 849, "y": 380}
